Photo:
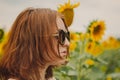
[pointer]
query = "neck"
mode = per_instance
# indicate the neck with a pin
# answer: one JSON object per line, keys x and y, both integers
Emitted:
{"x": 43, "y": 72}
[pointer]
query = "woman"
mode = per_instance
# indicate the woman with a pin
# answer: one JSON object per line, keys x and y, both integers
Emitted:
{"x": 38, "y": 41}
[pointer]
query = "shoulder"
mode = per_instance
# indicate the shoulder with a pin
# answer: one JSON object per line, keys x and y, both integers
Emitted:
{"x": 52, "y": 78}
{"x": 12, "y": 79}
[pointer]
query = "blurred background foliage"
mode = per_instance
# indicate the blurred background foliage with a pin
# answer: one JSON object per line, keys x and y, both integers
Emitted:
{"x": 91, "y": 56}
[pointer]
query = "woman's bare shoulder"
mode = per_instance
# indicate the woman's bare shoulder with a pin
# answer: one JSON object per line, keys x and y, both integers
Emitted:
{"x": 52, "y": 78}
{"x": 12, "y": 79}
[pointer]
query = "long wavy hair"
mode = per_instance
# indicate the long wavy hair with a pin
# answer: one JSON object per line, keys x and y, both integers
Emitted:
{"x": 30, "y": 46}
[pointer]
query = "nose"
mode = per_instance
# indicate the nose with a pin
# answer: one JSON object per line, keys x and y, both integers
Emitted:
{"x": 67, "y": 42}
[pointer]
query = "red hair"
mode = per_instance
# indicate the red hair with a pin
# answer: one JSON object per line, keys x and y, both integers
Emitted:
{"x": 27, "y": 48}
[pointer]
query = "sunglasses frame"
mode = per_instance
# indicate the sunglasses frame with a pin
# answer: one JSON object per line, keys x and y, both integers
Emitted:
{"x": 61, "y": 35}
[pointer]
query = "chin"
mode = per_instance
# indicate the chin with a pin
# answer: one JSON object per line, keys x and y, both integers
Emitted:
{"x": 61, "y": 62}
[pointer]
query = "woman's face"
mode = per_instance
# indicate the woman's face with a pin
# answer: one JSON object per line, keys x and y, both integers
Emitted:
{"x": 63, "y": 48}
{"x": 63, "y": 42}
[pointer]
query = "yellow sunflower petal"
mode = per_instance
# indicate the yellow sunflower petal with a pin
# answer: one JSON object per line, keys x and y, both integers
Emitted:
{"x": 68, "y": 12}
{"x": 75, "y": 5}
{"x": 73, "y": 45}
{"x": 89, "y": 62}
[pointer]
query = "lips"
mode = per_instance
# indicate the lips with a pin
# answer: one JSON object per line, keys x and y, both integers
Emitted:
{"x": 64, "y": 53}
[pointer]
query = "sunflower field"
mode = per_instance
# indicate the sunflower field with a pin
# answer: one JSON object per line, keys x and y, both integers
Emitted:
{"x": 91, "y": 57}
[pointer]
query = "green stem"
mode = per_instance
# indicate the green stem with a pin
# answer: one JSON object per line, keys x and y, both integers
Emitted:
{"x": 79, "y": 66}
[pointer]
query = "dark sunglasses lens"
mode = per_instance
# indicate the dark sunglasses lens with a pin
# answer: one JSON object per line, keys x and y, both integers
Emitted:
{"x": 62, "y": 37}
{"x": 68, "y": 36}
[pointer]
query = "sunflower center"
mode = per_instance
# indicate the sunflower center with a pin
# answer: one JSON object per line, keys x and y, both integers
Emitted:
{"x": 96, "y": 29}
{"x": 89, "y": 46}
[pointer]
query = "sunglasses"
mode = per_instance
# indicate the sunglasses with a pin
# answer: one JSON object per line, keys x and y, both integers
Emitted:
{"x": 61, "y": 35}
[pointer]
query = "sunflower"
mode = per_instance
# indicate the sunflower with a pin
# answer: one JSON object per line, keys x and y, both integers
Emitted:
{"x": 3, "y": 42}
{"x": 89, "y": 62}
{"x": 73, "y": 45}
{"x": 97, "y": 50}
{"x": 89, "y": 47}
{"x": 74, "y": 36}
{"x": 113, "y": 43}
{"x": 1, "y": 34}
{"x": 105, "y": 45}
{"x": 68, "y": 12}
{"x": 96, "y": 30}
{"x": 108, "y": 78}
{"x": 93, "y": 48}
{"x": 84, "y": 36}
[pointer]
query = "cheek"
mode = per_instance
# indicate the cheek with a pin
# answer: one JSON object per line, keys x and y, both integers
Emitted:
{"x": 61, "y": 49}
{"x": 55, "y": 44}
